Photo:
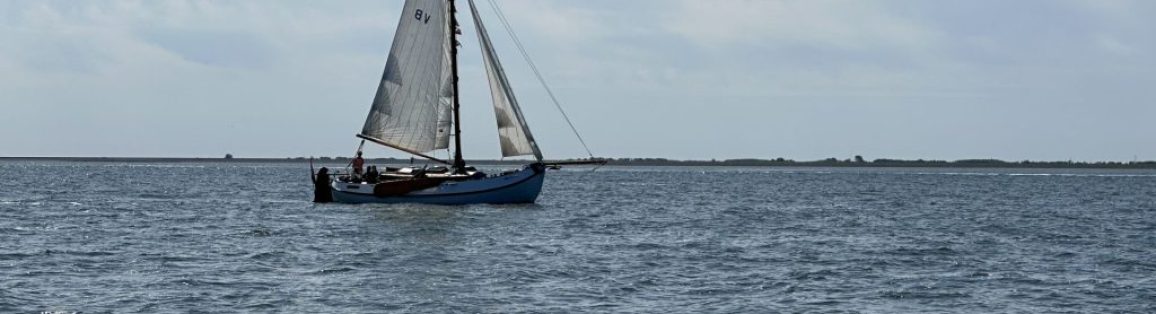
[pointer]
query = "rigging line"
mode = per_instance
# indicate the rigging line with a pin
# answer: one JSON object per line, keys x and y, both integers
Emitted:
{"x": 349, "y": 166}
{"x": 525, "y": 55}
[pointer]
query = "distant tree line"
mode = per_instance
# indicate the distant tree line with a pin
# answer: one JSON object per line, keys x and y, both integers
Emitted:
{"x": 858, "y": 161}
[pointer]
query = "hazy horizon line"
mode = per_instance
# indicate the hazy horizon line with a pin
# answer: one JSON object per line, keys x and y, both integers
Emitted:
{"x": 717, "y": 160}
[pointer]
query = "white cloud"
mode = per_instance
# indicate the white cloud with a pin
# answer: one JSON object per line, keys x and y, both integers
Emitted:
{"x": 640, "y": 76}
{"x": 182, "y": 75}
{"x": 852, "y": 25}
{"x": 561, "y": 22}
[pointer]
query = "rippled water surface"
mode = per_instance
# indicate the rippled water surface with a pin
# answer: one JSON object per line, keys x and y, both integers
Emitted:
{"x": 238, "y": 237}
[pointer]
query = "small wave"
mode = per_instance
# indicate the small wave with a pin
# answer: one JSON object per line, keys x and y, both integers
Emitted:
{"x": 163, "y": 166}
{"x": 78, "y": 253}
{"x": 260, "y": 232}
{"x": 922, "y": 251}
{"x": 267, "y": 255}
{"x": 1130, "y": 263}
{"x": 330, "y": 271}
{"x": 917, "y": 295}
{"x": 156, "y": 196}
{"x": 285, "y": 201}
{"x": 16, "y": 256}
{"x": 980, "y": 274}
{"x": 262, "y": 306}
{"x": 957, "y": 173}
{"x": 165, "y": 258}
{"x": 647, "y": 246}
{"x": 207, "y": 283}
{"x": 821, "y": 274}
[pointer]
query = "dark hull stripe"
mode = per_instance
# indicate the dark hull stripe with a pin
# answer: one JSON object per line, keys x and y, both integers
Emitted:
{"x": 450, "y": 194}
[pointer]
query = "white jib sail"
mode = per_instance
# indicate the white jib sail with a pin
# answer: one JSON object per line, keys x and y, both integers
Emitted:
{"x": 411, "y": 110}
{"x": 513, "y": 132}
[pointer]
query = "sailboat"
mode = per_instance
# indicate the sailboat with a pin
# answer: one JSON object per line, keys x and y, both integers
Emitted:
{"x": 416, "y": 111}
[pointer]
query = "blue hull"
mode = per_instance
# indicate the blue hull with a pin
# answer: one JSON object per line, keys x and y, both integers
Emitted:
{"x": 519, "y": 187}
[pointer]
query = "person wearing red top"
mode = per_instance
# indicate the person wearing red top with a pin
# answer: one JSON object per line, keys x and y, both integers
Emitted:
{"x": 358, "y": 163}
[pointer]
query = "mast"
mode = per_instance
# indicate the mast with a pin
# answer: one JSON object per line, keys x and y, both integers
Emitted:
{"x": 459, "y": 163}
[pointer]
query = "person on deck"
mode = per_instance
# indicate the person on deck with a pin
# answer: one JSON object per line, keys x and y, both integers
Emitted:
{"x": 371, "y": 174}
{"x": 358, "y": 163}
{"x": 321, "y": 192}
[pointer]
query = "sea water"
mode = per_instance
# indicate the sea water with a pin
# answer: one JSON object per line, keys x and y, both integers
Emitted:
{"x": 244, "y": 237}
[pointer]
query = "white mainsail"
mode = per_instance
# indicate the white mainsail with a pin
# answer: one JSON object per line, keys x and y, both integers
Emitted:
{"x": 413, "y": 105}
{"x": 513, "y": 133}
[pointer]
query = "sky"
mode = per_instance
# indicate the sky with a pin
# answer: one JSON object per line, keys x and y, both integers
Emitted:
{"x": 679, "y": 79}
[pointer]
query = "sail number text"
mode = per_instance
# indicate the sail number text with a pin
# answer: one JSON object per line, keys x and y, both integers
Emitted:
{"x": 421, "y": 16}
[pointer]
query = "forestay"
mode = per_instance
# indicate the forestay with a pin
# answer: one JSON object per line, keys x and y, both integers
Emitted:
{"x": 513, "y": 132}
{"x": 413, "y": 106}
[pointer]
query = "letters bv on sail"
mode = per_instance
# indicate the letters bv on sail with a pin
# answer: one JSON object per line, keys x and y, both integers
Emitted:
{"x": 415, "y": 107}
{"x": 513, "y": 132}
{"x": 412, "y": 109}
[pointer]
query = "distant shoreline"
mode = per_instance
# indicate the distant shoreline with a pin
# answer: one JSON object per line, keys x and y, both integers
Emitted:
{"x": 779, "y": 162}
